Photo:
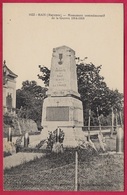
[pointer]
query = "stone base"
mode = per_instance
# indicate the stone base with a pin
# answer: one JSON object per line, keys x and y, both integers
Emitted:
{"x": 72, "y": 136}
{"x": 65, "y": 113}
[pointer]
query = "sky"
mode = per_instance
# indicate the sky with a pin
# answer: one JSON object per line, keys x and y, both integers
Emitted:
{"x": 95, "y": 31}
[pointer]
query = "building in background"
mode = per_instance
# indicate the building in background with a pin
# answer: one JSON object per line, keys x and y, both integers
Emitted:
{"x": 9, "y": 90}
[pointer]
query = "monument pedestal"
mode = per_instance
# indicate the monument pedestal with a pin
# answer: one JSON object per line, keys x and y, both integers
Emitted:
{"x": 66, "y": 113}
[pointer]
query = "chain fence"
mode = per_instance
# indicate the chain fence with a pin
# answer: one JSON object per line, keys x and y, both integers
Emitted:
{"x": 66, "y": 172}
{"x": 92, "y": 174}
{"x": 58, "y": 178}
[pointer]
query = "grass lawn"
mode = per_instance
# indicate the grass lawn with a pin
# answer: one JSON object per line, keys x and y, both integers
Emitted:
{"x": 57, "y": 172}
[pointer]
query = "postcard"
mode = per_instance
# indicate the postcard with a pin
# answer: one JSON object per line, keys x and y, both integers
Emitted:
{"x": 63, "y": 97}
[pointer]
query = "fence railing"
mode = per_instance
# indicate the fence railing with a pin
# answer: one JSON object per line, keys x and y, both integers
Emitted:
{"x": 92, "y": 128}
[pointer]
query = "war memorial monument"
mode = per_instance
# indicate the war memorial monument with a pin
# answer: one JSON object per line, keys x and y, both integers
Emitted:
{"x": 63, "y": 107}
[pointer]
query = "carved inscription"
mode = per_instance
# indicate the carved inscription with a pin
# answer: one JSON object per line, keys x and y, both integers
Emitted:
{"x": 60, "y": 80}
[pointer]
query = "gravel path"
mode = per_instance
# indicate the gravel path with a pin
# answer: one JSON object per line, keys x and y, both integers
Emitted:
{"x": 19, "y": 158}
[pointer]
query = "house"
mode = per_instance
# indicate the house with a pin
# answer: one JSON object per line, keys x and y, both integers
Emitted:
{"x": 9, "y": 90}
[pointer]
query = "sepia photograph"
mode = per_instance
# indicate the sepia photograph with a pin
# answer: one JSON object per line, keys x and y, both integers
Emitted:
{"x": 63, "y": 97}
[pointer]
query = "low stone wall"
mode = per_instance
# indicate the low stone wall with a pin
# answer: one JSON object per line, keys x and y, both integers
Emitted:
{"x": 19, "y": 126}
{"x": 27, "y": 125}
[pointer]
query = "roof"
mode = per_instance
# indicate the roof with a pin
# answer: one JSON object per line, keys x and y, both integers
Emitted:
{"x": 8, "y": 71}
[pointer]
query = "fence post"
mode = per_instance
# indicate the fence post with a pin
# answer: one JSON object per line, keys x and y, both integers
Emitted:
{"x": 89, "y": 125}
{"x": 99, "y": 120}
{"x": 121, "y": 119}
{"x": 76, "y": 170}
{"x": 116, "y": 120}
{"x": 58, "y": 134}
{"x": 119, "y": 140}
{"x": 9, "y": 138}
{"x": 112, "y": 123}
{"x": 26, "y": 139}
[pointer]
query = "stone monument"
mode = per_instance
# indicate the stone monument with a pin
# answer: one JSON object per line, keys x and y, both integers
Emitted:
{"x": 63, "y": 108}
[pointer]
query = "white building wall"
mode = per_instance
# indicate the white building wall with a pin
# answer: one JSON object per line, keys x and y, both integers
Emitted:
{"x": 9, "y": 88}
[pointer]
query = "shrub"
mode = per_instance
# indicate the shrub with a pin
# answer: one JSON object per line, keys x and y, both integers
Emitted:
{"x": 9, "y": 148}
{"x": 54, "y": 137}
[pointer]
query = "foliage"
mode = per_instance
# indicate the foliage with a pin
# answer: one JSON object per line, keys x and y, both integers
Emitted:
{"x": 9, "y": 148}
{"x": 45, "y": 75}
{"x": 54, "y": 137}
{"x": 94, "y": 91}
{"x": 40, "y": 144}
{"x": 29, "y": 101}
{"x": 95, "y": 94}
{"x": 18, "y": 143}
{"x": 8, "y": 120}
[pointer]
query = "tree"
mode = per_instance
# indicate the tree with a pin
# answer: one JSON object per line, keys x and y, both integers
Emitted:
{"x": 29, "y": 101}
{"x": 45, "y": 75}
{"x": 91, "y": 86}
{"x": 94, "y": 92}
